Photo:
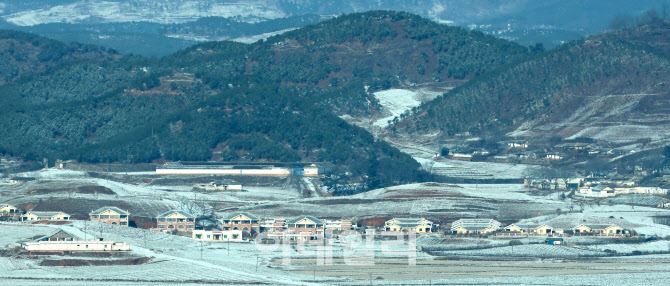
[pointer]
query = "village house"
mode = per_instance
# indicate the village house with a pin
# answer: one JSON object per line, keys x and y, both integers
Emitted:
{"x": 220, "y": 235}
{"x": 221, "y": 185}
{"x": 37, "y": 216}
{"x": 10, "y": 211}
{"x": 62, "y": 241}
{"x": 110, "y": 215}
{"x": 273, "y": 225}
{"x": 600, "y": 230}
{"x": 554, "y": 156}
{"x": 519, "y": 144}
{"x": 596, "y": 191}
{"x": 242, "y": 221}
{"x": 475, "y": 226}
{"x": 416, "y": 225}
{"x": 576, "y": 146}
{"x": 339, "y": 225}
{"x": 306, "y": 226}
{"x": 530, "y": 229}
{"x": 175, "y": 220}
{"x": 461, "y": 154}
{"x": 606, "y": 191}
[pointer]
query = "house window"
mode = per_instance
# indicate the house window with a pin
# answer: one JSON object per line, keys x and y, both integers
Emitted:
{"x": 181, "y": 226}
{"x": 189, "y": 226}
{"x": 161, "y": 226}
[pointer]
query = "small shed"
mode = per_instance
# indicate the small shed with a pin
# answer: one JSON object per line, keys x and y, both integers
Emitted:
{"x": 554, "y": 241}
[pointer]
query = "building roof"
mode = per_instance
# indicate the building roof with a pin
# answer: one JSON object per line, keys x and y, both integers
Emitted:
{"x": 598, "y": 226}
{"x": 233, "y": 215}
{"x": 169, "y": 213}
{"x": 527, "y": 225}
{"x": 408, "y": 222}
{"x": 47, "y": 237}
{"x": 114, "y": 209}
{"x": 40, "y": 213}
{"x": 475, "y": 224}
{"x": 225, "y": 182}
{"x": 297, "y": 219}
{"x": 10, "y": 206}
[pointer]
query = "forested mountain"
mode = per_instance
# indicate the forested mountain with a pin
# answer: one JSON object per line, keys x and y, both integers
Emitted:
{"x": 274, "y": 100}
{"x": 611, "y": 87}
{"x": 22, "y": 54}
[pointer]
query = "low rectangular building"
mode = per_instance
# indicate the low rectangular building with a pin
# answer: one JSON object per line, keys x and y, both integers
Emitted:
{"x": 39, "y": 216}
{"x": 600, "y": 230}
{"x": 62, "y": 241}
{"x": 530, "y": 229}
{"x": 475, "y": 226}
{"x": 220, "y": 235}
{"x": 416, "y": 225}
{"x": 222, "y": 185}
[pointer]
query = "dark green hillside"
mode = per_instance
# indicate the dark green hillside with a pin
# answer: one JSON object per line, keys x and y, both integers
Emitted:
{"x": 274, "y": 100}
{"x": 548, "y": 88}
{"x": 24, "y": 54}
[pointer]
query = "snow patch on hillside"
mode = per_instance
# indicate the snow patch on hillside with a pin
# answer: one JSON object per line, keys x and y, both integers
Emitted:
{"x": 162, "y": 11}
{"x": 397, "y": 101}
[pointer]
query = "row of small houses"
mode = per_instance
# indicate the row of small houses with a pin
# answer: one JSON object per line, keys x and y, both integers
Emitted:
{"x": 306, "y": 227}
{"x": 491, "y": 226}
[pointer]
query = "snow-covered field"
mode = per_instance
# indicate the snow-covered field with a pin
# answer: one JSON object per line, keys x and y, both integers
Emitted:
{"x": 178, "y": 259}
{"x": 158, "y": 11}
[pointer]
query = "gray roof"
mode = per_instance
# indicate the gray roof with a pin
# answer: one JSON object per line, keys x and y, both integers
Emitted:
{"x": 168, "y": 213}
{"x": 314, "y": 219}
{"x": 46, "y": 237}
{"x": 409, "y": 222}
{"x": 115, "y": 209}
{"x": 39, "y": 213}
{"x": 231, "y": 216}
{"x": 528, "y": 226}
{"x": 598, "y": 226}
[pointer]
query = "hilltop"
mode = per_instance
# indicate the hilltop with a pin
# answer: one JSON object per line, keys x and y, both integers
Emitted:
{"x": 610, "y": 87}
{"x": 273, "y": 100}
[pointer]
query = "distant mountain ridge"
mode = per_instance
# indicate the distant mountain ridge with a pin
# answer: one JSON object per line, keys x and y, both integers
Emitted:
{"x": 135, "y": 21}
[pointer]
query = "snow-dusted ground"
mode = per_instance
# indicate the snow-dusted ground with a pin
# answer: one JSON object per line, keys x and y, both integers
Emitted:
{"x": 397, "y": 101}
{"x": 158, "y": 11}
{"x": 177, "y": 259}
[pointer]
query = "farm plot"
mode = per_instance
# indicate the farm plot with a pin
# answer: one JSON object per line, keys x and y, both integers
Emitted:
{"x": 628, "y": 248}
{"x": 532, "y": 250}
